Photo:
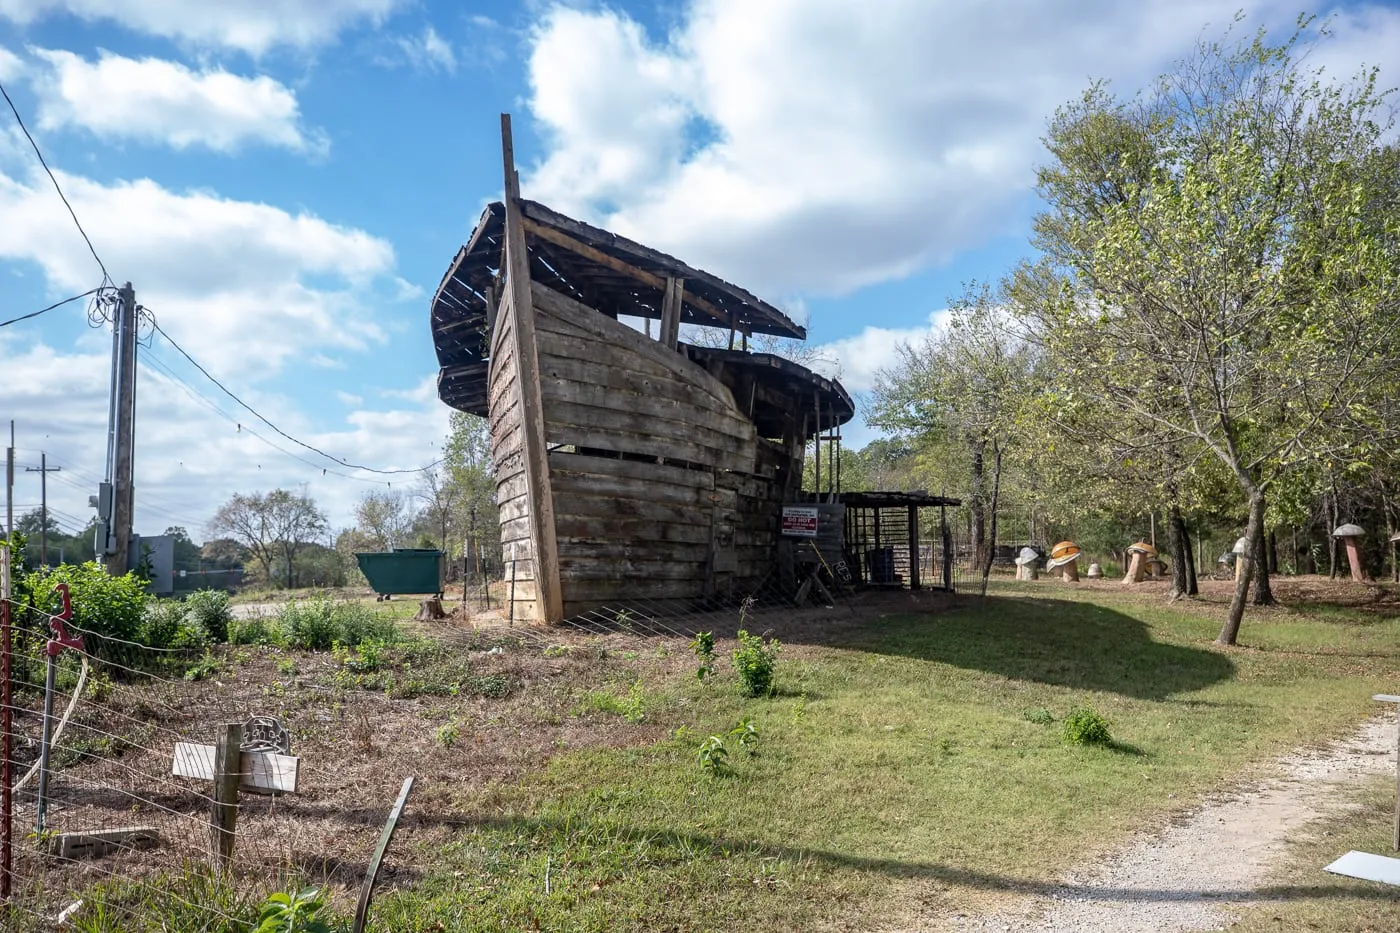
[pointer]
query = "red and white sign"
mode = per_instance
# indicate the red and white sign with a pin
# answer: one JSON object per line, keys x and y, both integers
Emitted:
{"x": 800, "y": 521}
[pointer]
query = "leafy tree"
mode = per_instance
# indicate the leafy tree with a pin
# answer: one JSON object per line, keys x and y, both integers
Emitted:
{"x": 383, "y": 516}
{"x": 273, "y": 526}
{"x": 469, "y": 470}
{"x": 1214, "y": 266}
{"x": 966, "y": 384}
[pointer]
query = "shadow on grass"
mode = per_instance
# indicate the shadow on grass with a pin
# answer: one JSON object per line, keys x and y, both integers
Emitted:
{"x": 669, "y": 847}
{"x": 1066, "y": 643}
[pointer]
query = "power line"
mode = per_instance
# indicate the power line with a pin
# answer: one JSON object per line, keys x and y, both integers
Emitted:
{"x": 257, "y": 414}
{"x": 203, "y": 400}
{"x": 57, "y": 304}
{"x": 64, "y": 198}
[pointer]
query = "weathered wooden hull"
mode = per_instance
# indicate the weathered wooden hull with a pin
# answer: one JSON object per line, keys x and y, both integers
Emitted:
{"x": 658, "y": 485}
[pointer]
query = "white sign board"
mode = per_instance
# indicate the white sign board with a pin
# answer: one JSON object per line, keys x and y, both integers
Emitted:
{"x": 260, "y": 771}
{"x": 800, "y": 521}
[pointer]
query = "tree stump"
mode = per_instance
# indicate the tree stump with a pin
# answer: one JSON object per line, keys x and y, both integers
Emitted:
{"x": 430, "y": 610}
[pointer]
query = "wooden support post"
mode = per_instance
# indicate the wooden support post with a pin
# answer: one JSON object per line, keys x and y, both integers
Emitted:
{"x": 548, "y": 594}
{"x": 223, "y": 811}
{"x": 671, "y": 304}
{"x": 817, "y": 447}
{"x": 367, "y": 890}
{"x": 947, "y": 549}
{"x": 1387, "y": 698}
{"x": 914, "y": 547}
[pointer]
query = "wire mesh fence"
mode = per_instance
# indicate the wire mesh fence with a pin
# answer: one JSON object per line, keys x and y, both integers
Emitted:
{"x": 130, "y": 835}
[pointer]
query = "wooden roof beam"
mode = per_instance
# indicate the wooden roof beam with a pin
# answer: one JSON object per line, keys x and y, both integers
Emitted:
{"x": 558, "y": 238}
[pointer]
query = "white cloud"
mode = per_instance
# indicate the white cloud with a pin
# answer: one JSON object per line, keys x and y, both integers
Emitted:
{"x": 231, "y": 280}
{"x": 252, "y": 26}
{"x": 189, "y": 459}
{"x": 153, "y": 100}
{"x": 10, "y": 64}
{"x": 856, "y": 359}
{"x": 427, "y": 51}
{"x": 809, "y": 146}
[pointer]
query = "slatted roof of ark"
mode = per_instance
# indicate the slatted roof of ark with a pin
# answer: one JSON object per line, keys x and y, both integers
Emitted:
{"x": 612, "y": 274}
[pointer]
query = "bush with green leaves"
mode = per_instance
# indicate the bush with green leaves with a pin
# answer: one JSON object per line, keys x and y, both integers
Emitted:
{"x": 713, "y": 756}
{"x": 255, "y": 630}
{"x": 210, "y": 610}
{"x": 293, "y": 912}
{"x": 167, "y": 625}
{"x": 112, "y": 609}
{"x": 1084, "y": 726}
{"x": 755, "y": 661}
{"x": 704, "y": 648}
{"x": 318, "y": 624}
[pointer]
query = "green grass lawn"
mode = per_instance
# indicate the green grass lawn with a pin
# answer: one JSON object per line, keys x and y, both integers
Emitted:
{"x": 899, "y": 770}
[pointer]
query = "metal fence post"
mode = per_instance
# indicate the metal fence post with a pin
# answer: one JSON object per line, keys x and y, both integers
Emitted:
{"x": 7, "y": 736}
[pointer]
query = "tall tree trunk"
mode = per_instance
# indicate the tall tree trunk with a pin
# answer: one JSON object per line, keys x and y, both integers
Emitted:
{"x": 1180, "y": 547}
{"x": 1263, "y": 592}
{"x": 996, "y": 495}
{"x": 977, "y": 507}
{"x": 1332, "y": 523}
{"x": 1229, "y": 632}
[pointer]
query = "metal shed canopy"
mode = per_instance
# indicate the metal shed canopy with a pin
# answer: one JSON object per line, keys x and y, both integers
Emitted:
{"x": 610, "y": 273}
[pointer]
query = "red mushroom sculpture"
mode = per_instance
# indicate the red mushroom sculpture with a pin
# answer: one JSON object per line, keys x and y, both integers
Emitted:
{"x": 1351, "y": 536}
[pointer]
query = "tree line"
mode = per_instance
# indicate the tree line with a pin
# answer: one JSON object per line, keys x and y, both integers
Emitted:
{"x": 1208, "y": 329}
{"x": 287, "y": 540}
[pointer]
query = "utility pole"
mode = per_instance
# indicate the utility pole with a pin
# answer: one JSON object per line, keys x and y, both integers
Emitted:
{"x": 10, "y": 482}
{"x": 44, "y": 470}
{"x": 121, "y": 443}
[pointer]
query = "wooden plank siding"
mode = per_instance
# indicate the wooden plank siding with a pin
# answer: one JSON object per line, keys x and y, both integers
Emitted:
{"x": 660, "y": 485}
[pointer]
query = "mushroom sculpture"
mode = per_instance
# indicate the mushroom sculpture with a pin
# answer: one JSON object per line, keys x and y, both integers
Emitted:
{"x": 1095, "y": 571}
{"x": 1138, "y": 556}
{"x": 1395, "y": 555}
{"x": 1027, "y": 564}
{"x": 1064, "y": 559}
{"x": 1238, "y": 551}
{"x": 1351, "y": 536}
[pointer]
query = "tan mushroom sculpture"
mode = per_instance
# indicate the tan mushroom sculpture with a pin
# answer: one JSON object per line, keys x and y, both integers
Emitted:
{"x": 1238, "y": 551}
{"x": 1138, "y": 556}
{"x": 1028, "y": 564}
{"x": 1064, "y": 561}
{"x": 1351, "y": 536}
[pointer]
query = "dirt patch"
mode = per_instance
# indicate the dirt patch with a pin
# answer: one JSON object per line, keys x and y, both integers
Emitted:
{"x": 1210, "y": 860}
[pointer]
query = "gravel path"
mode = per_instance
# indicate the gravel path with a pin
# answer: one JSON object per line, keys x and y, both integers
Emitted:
{"x": 1214, "y": 858}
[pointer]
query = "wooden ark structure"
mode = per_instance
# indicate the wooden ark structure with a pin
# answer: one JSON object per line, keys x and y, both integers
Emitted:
{"x": 628, "y": 467}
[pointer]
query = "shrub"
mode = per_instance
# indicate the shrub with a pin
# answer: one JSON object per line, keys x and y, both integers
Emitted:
{"x": 704, "y": 648}
{"x": 712, "y": 756}
{"x": 1086, "y": 727}
{"x": 107, "y": 607}
{"x": 162, "y": 623}
{"x": 318, "y": 624}
{"x": 634, "y": 705}
{"x": 253, "y": 631}
{"x": 293, "y": 912}
{"x": 755, "y": 661}
{"x": 209, "y": 609}
{"x": 1040, "y": 716}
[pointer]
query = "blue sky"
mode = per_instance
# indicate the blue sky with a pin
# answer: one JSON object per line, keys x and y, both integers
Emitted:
{"x": 286, "y": 183}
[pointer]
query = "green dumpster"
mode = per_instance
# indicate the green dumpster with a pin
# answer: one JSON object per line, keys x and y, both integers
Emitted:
{"x": 403, "y": 570}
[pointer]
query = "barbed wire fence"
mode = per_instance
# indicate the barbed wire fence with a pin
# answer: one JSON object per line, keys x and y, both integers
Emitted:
{"x": 130, "y": 838}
